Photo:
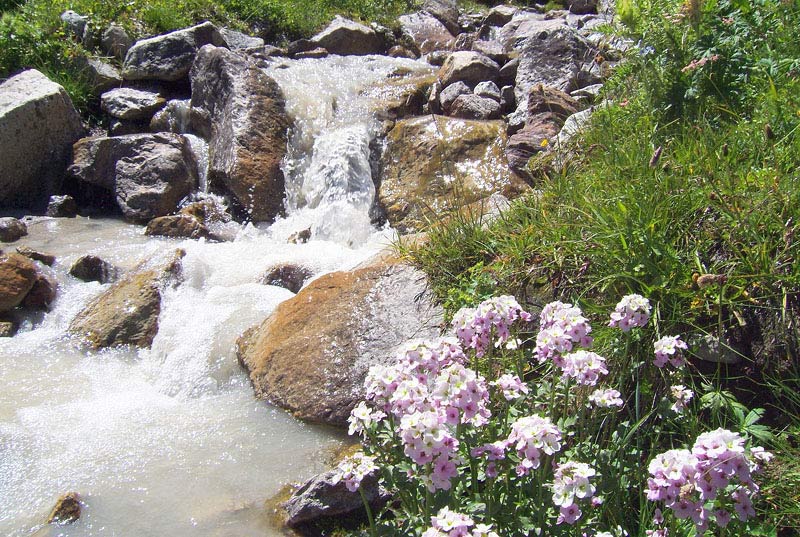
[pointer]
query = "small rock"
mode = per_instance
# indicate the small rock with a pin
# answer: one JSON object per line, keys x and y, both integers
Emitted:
{"x": 399, "y": 51}
{"x": 67, "y": 510}
{"x": 465, "y": 41}
{"x": 291, "y": 277}
{"x": 300, "y": 45}
{"x": 491, "y": 49}
{"x": 17, "y": 277}
{"x": 207, "y": 211}
{"x": 174, "y": 117}
{"x": 91, "y": 268}
{"x": 131, "y": 104}
{"x": 116, "y": 41}
{"x": 346, "y": 37}
{"x": 120, "y": 127}
{"x": 301, "y": 237}
{"x": 62, "y": 207}
{"x": 469, "y": 67}
{"x": 589, "y": 93}
{"x": 75, "y": 22}
{"x": 500, "y": 15}
{"x": 42, "y": 294}
{"x": 7, "y": 329}
{"x": 239, "y": 41}
{"x": 317, "y": 53}
{"x": 103, "y": 76}
{"x": 451, "y": 93}
{"x": 475, "y": 107}
{"x": 581, "y": 7}
{"x": 437, "y": 57}
{"x": 508, "y": 99}
{"x": 12, "y": 229}
{"x": 42, "y": 257}
{"x": 489, "y": 90}
{"x": 178, "y": 225}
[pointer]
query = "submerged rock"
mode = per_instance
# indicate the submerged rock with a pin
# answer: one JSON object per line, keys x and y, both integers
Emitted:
{"x": 291, "y": 277}
{"x": 42, "y": 257}
{"x": 312, "y": 354}
{"x": 7, "y": 329}
{"x": 12, "y": 229}
{"x": 180, "y": 226}
{"x": 91, "y": 268}
{"x": 18, "y": 275}
{"x": 42, "y": 294}
{"x": 66, "y": 510}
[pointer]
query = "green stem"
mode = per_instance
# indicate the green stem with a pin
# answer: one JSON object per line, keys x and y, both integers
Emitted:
{"x": 372, "y": 530}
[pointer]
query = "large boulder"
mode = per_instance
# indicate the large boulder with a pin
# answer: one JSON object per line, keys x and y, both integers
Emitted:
{"x": 170, "y": 56}
{"x": 127, "y": 312}
{"x": 17, "y": 277}
{"x": 435, "y": 163}
{"x": 426, "y": 32}
{"x": 312, "y": 354}
{"x": 400, "y": 96}
{"x": 148, "y": 174}
{"x": 346, "y": 38}
{"x": 242, "y": 113}
{"x": 469, "y": 67}
{"x": 38, "y": 125}
{"x": 446, "y": 11}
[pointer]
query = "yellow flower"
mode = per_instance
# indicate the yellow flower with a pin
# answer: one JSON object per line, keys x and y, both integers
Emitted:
{"x": 544, "y": 143}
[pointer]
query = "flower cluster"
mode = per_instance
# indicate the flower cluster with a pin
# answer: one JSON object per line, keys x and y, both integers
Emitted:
{"x": 682, "y": 395}
{"x": 606, "y": 398}
{"x": 353, "y": 470}
{"x": 584, "y": 366}
{"x": 631, "y": 312}
{"x": 531, "y": 436}
{"x": 447, "y": 523}
{"x": 704, "y": 483}
{"x": 561, "y": 327}
{"x": 668, "y": 349}
{"x": 511, "y": 386}
{"x": 474, "y": 326}
{"x": 571, "y": 483}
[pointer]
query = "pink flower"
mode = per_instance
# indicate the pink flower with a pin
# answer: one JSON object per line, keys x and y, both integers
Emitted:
{"x": 631, "y": 312}
{"x": 606, "y": 398}
{"x": 569, "y": 514}
{"x": 511, "y": 385}
{"x": 668, "y": 348}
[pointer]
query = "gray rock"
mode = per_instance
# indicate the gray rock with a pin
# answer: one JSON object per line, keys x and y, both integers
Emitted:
{"x": 318, "y": 52}
{"x": 475, "y": 107}
{"x": 508, "y": 73}
{"x": 426, "y": 32}
{"x": 238, "y": 41}
{"x": 492, "y": 49}
{"x": 489, "y": 90}
{"x": 241, "y": 112}
{"x": 121, "y": 127}
{"x": 508, "y": 100}
{"x": 437, "y": 57}
{"x": 148, "y": 174}
{"x": 291, "y": 277}
{"x": 446, "y": 12}
{"x": 76, "y": 23}
{"x": 469, "y": 67}
{"x": 500, "y": 15}
{"x": 345, "y": 38}
{"x": 131, "y": 104}
{"x": 90, "y": 268}
{"x": 62, "y": 207}
{"x": 12, "y": 229}
{"x": 174, "y": 117}
{"x": 573, "y": 125}
{"x": 116, "y": 41}
{"x": 589, "y": 93}
{"x": 170, "y": 56}
{"x": 42, "y": 257}
{"x": 38, "y": 125}
{"x": 580, "y": 7}
{"x": 103, "y": 76}
{"x": 465, "y": 41}
{"x": 451, "y": 93}
{"x": 7, "y": 329}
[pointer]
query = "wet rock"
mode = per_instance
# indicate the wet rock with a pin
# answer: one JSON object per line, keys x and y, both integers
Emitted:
{"x": 437, "y": 57}
{"x": 170, "y": 56}
{"x": 291, "y": 277}
{"x": 426, "y": 32}
{"x": 488, "y": 90}
{"x": 238, "y": 41}
{"x": 300, "y": 45}
{"x": 207, "y": 211}
{"x": 62, "y": 207}
{"x": 42, "y": 257}
{"x": 7, "y": 329}
{"x": 500, "y": 15}
{"x": 116, "y": 41}
{"x": 581, "y": 7}
{"x": 312, "y": 354}
{"x": 91, "y": 268}
{"x": 42, "y": 294}
{"x": 468, "y": 67}
{"x": 75, "y": 22}
{"x": 127, "y": 313}
{"x": 148, "y": 174}
{"x": 435, "y": 163}
{"x": 17, "y": 277}
{"x": 38, "y": 125}
{"x": 451, "y": 93}
{"x": 301, "y": 237}
{"x": 345, "y": 37}
{"x": 316, "y": 53}
{"x": 446, "y": 12}
{"x": 180, "y": 226}
{"x": 465, "y": 41}
{"x": 66, "y": 511}
{"x": 399, "y": 51}
{"x": 12, "y": 229}
{"x": 131, "y": 104}
{"x": 400, "y": 96}
{"x": 174, "y": 117}
{"x": 475, "y": 107}
{"x": 242, "y": 114}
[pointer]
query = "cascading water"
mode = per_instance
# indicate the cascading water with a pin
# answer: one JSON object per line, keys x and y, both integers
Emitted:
{"x": 170, "y": 440}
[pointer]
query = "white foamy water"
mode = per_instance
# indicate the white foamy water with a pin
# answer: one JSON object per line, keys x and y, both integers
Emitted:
{"x": 170, "y": 440}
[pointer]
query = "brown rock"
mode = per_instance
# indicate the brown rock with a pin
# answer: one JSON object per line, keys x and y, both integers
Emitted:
{"x": 346, "y": 37}
{"x": 400, "y": 96}
{"x": 178, "y": 225}
{"x": 12, "y": 229}
{"x": 312, "y": 354}
{"x": 291, "y": 277}
{"x": 17, "y": 277}
{"x": 426, "y": 32}
{"x": 469, "y": 67}
{"x": 67, "y": 509}
{"x": 41, "y": 294}
{"x": 42, "y": 257}
{"x": 7, "y": 329}
{"x": 91, "y": 268}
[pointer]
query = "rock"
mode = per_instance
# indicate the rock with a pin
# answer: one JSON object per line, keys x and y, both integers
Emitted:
{"x": 174, "y": 117}
{"x": 301, "y": 237}
{"x": 581, "y": 7}
{"x": 434, "y": 163}
{"x": 42, "y": 257}
{"x": 131, "y": 104}
{"x": 345, "y": 38}
{"x": 491, "y": 49}
{"x": 291, "y": 277}
{"x": 312, "y": 354}
{"x": 323, "y": 497}
{"x": 508, "y": 73}
{"x": 437, "y": 57}
{"x": 17, "y": 276}
{"x": 400, "y": 96}
{"x": 469, "y": 67}
{"x": 38, "y": 126}
{"x": 426, "y": 32}
{"x": 446, "y": 12}
{"x": 127, "y": 312}
{"x": 62, "y": 207}
{"x": 178, "y": 225}
{"x": 103, "y": 76}
{"x": 12, "y": 229}
{"x": 451, "y": 93}
{"x": 488, "y": 90}
{"x": 242, "y": 114}
{"x": 317, "y": 53}
{"x": 508, "y": 100}
{"x": 544, "y": 100}
{"x": 399, "y": 51}
{"x": 589, "y": 93}
{"x": 475, "y": 107}
{"x": 170, "y": 56}
{"x": 573, "y": 125}
{"x": 91, "y": 268}
{"x": 500, "y": 15}
{"x": 465, "y": 41}
{"x": 75, "y": 23}
{"x": 7, "y": 329}
{"x": 207, "y": 211}
{"x": 300, "y": 45}
{"x": 67, "y": 509}
{"x": 148, "y": 174}
{"x": 120, "y": 127}
{"x": 116, "y": 41}
{"x": 238, "y": 41}
{"x": 42, "y": 294}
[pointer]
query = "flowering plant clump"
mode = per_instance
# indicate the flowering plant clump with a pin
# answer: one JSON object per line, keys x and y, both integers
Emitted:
{"x": 631, "y": 312}
{"x": 354, "y": 469}
{"x": 668, "y": 349}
